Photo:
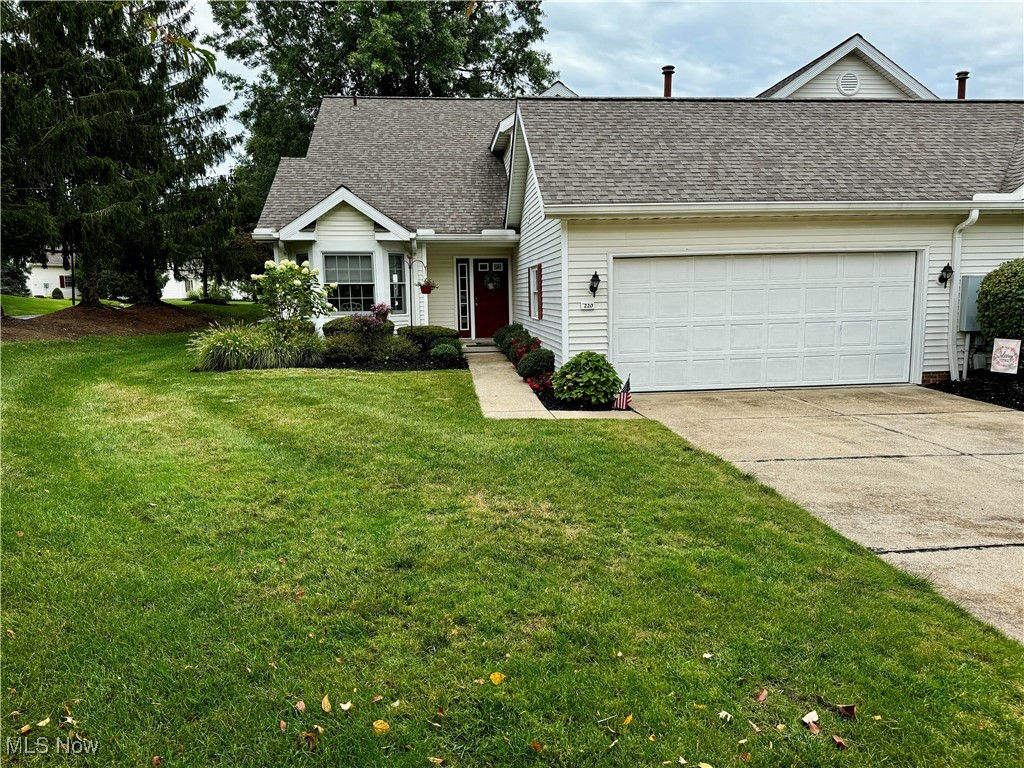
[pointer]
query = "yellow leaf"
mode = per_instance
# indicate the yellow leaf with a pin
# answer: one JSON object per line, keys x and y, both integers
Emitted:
{"x": 43, "y": 723}
{"x": 346, "y": 706}
{"x": 325, "y": 705}
{"x": 380, "y": 727}
{"x": 301, "y": 706}
{"x": 629, "y": 719}
{"x": 704, "y": 765}
{"x": 497, "y": 678}
{"x": 436, "y": 760}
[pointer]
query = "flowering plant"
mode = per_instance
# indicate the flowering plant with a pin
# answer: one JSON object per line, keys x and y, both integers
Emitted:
{"x": 291, "y": 291}
{"x": 521, "y": 348}
{"x": 380, "y": 310}
{"x": 426, "y": 282}
{"x": 540, "y": 383}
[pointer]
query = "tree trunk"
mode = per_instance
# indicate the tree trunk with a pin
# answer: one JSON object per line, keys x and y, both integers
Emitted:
{"x": 88, "y": 269}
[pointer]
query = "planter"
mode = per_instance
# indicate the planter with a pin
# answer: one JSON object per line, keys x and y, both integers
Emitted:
{"x": 426, "y": 288}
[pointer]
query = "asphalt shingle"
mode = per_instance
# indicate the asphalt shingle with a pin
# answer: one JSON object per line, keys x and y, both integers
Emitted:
{"x": 726, "y": 150}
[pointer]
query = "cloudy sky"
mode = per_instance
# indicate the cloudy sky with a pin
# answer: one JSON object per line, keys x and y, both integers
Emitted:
{"x": 732, "y": 48}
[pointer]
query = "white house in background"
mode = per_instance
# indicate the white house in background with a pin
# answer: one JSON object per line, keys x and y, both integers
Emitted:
{"x": 785, "y": 240}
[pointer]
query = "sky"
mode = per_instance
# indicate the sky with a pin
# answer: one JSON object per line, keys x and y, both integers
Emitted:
{"x": 733, "y": 48}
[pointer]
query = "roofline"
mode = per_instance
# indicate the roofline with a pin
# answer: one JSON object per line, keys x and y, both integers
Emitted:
{"x": 775, "y": 208}
{"x": 504, "y": 125}
{"x": 854, "y": 43}
{"x": 341, "y": 195}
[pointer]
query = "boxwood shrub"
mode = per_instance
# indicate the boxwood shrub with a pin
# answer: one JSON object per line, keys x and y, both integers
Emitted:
{"x": 587, "y": 378}
{"x": 1001, "y": 302}
{"x": 393, "y": 349}
{"x": 365, "y": 324}
{"x": 425, "y": 336}
{"x": 501, "y": 335}
{"x": 536, "y": 363}
{"x": 445, "y": 354}
{"x": 344, "y": 349}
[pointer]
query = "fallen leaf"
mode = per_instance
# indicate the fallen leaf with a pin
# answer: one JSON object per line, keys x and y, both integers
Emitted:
{"x": 43, "y": 723}
{"x": 708, "y": 655}
{"x": 752, "y": 725}
{"x": 876, "y": 717}
{"x": 742, "y": 741}
{"x": 380, "y": 727}
{"x": 311, "y": 738}
{"x": 537, "y": 746}
{"x": 480, "y": 681}
{"x": 651, "y": 737}
{"x": 440, "y": 711}
{"x": 21, "y": 534}
{"x": 613, "y": 744}
{"x": 723, "y": 715}
{"x": 157, "y": 760}
{"x": 813, "y": 728}
{"x": 705, "y": 765}
{"x": 337, "y": 659}
{"x": 282, "y": 559}
{"x": 497, "y": 678}
{"x": 436, "y": 725}
{"x": 982, "y": 726}
{"x": 780, "y": 727}
{"x": 152, "y": 505}
{"x": 375, "y": 699}
{"x": 436, "y": 760}
{"x": 24, "y": 729}
{"x": 847, "y": 710}
{"x": 301, "y": 706}
{"x": 810, "y": 717}
{"x": 300, "y": 594}
{"x": 628, "y": 719}
{"x": 282, "y": 724}
{"x": 15, "y": 713}
{"x": 396, "y": 702}
{"x": 325, "y": 704}
{"x": 346, "y": 706}
{"x": 11, "y": 633}
{"x": 682, "y": 761}
{"x": 745, "y": 757}
{"x": 762, "y": 695}
{"x": 840, "y": 744}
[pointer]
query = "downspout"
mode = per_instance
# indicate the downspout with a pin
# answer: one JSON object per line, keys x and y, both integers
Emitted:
{"x": 953, "y": 321}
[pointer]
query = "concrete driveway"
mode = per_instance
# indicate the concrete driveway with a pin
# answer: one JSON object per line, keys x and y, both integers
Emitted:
{"x": 931, "y": 482}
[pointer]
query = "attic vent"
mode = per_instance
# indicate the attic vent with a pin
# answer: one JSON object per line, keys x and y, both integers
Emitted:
{"x": 848, "y": 83}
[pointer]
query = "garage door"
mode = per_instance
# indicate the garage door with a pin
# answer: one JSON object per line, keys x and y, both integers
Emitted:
{"x": 703, "y": 322}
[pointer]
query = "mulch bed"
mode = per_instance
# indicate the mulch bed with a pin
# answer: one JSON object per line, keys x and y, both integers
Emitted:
{"x": 415, "y": 365}
{"x": 1005, "y": 389}
{"x": 77, "y": 322}
{"x": 552, "y": 403}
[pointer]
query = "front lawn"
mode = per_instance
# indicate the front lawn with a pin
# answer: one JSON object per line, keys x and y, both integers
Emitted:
{"x": 233, "y": 311}
{"x": 186, "y": 556}
{"x": 31, "y": 305}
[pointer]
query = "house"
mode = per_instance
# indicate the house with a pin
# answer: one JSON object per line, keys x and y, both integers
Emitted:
{"x": 793, "y": 239}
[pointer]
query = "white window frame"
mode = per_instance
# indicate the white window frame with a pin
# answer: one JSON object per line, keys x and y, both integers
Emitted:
{"x": 534, "y": 294}
{"x": 332, "y": 253}
{"x": 403, "y": 281}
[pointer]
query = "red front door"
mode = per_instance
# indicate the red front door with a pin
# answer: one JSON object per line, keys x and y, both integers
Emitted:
{"x": 490, "y": 295}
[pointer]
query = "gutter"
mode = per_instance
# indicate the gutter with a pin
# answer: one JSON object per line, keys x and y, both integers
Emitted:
{"x": 753, "y": 208}
{"x": 952, "y": 329}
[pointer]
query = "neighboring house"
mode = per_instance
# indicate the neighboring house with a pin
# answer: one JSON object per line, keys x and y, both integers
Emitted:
{"x": 699, "y": 243}
{"x": 43, "y": 278}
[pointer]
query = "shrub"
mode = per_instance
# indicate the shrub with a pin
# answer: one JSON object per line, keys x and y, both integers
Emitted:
{"x": 345, "y": 349}
{"x": 587, "y": 378}
{"x": 368, "y": 325}
{"x": 445, "y": 354}
{"x": 520, "y": 349}
{"x": 291, "y": 291}
{"x": 425, "y": 336}
{"x": 540, "y": 383}
{"x": 501, "y": 335}
{"x": 289, "y": 328}
{"x": 457, "y": 343}
{"x": 536, "y": 363}
{"x": 57, "y": 294}
{"x": 194, "y": 295}
{"x": 393, "y": 349}
{"x": 298, "y": 350}
{"x": 1001, "y": 302}
{"x": 513, "y": 339}
{"x": 14, "y": 279}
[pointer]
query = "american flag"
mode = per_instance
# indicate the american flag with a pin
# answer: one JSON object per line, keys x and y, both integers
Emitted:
{"x": 624, "y": 398}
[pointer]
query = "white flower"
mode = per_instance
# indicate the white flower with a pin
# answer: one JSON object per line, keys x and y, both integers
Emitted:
{"x": 305, "y": 264}
{"x": 305, "y": 270}
{"x": 297, "y": 282}
{"x": 269, "y": 264}
{"x": 254, "y": 277}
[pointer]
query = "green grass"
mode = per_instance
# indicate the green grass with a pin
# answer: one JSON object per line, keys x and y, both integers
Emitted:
{"x": 201, "y": 551}
{"x": 235, "y": 311}
{"x": 30, "y": 305}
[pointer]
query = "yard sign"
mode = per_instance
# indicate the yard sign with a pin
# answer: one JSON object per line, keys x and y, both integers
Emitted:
{"x": 1005, "y": 355}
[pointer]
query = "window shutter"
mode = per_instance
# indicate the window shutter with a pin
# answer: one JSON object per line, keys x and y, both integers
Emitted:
{"x": 540, "y": 292}
{"x": 62, "y": 285}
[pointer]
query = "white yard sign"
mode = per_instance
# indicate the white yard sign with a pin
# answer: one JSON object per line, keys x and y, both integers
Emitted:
{"x": 1005, "y": 355}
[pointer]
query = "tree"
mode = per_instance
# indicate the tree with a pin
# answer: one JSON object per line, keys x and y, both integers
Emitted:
{"x": 106, "y": 142}
{"x": 304, "y": 51}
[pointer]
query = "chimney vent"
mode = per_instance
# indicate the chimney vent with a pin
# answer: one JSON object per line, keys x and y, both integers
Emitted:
{"x": 667, "y": 72}
{"x": 961, "y": 84}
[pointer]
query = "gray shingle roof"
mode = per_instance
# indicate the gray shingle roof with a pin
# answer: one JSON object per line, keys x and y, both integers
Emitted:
{"x": 426, "y": 163}
{"x": 718, "y": 150}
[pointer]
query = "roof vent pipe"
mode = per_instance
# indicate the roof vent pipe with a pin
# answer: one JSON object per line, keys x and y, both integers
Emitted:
{"x": 961, "y": 84}
{"x": 667, "y": 71}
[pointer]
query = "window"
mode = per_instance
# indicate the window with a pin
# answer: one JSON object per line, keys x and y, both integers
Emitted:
{"x": 399, "y": 283}
{"x": 66, "y": 281}
{"x": 536, "y": 293}
{"x": 353, "y": 273}
{"x": 462, "y": 285}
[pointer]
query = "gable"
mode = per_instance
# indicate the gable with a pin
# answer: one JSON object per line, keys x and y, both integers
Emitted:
{"x": 345, "y": 222}
{"x": 859, "y": 80}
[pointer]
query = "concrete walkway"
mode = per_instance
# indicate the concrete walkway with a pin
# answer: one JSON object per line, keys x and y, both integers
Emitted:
{"x": 503, "y": 395}
{"x": 931, "y": 482}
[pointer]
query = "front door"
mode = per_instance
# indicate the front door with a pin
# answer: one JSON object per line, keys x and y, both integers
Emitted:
{"x": 490, "y": 295}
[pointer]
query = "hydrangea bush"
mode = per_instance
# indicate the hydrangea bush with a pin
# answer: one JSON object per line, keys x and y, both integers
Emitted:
{"x": 291, "y": 291}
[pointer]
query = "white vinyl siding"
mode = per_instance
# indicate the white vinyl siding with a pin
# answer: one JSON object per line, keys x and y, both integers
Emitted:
{"x": 540, "y": 242}
{"x": 344, "y": 222}
{"x": 873, "y": 85}
{"x": 994, "y": 239}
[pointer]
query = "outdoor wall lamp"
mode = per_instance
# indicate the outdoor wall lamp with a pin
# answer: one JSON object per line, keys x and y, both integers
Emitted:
{"x": 945, "y": 274}
{"x": 595, "y": 283}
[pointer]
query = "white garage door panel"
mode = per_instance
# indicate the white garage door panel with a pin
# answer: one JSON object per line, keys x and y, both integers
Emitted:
{"x": 774, "y": 320}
